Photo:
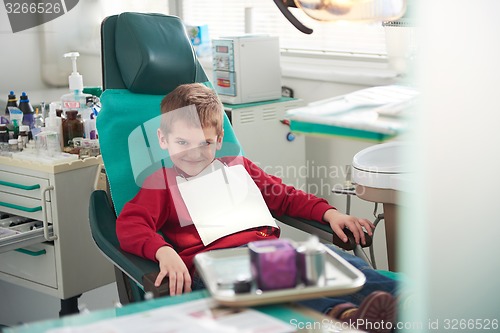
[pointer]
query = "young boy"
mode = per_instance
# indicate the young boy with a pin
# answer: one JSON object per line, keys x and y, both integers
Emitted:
{"x": 192, "y": 139}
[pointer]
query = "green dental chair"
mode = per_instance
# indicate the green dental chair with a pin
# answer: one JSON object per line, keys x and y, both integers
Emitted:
{"x": 145, "y": 56}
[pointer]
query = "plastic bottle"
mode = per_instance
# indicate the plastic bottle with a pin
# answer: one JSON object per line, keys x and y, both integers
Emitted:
{"x": 89, "y": 125}
{"x": 38, "y": 124}
{"x": 11, "y": 101}
{"x": 54, "y": 123}
{"x": 76, "y": 99}
{"x": 27, "y": 109}
{"x": 39, "y": 119}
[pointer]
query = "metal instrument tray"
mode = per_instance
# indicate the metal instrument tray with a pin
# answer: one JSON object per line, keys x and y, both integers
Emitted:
{"x": 219, "y": 267}
{"x": 22, "y": 235}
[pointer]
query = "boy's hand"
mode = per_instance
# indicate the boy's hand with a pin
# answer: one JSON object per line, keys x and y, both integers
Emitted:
{"x": 171, "y": 265}
{"x": 339, "y": 221}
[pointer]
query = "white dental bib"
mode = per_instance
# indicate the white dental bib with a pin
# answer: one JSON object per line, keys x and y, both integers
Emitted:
{"x": 223, "y": 200}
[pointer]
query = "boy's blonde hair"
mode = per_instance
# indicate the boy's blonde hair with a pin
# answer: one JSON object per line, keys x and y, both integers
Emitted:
{"x": 209, "y": 108}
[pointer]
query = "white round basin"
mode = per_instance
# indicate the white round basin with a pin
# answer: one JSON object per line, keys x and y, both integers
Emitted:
{"x": 381, "y": 166}
{"x": 380, "y": 174}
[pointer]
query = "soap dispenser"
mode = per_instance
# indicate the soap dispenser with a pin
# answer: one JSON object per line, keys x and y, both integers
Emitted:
{"x": 76, "y": 99}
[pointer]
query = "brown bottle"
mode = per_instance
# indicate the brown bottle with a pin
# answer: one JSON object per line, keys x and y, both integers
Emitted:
{"x": 72, "y": 127}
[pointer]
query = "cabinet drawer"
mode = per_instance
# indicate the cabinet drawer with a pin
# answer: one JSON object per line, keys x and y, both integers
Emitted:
{"x": 23, "y": 206}
{"x": 36, "y": 263}
{"x": 25, "y": 234}
{"x": 27, "y": 186}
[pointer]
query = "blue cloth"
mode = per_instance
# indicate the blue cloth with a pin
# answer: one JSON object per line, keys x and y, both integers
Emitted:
{"x": 374, "y": 281}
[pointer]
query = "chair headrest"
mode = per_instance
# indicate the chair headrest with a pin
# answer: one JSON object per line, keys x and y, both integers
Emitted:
{"x": 153, "y": 52}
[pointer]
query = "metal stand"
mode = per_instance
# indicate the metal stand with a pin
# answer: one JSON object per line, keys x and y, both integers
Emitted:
{"x": 69, "y": 306}
{"x": 349, "y": 190}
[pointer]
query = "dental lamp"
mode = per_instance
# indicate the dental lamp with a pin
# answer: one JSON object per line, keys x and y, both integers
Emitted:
{"x": 342, "y": 10}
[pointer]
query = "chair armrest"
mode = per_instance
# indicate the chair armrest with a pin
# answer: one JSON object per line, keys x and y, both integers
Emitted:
{"x": 148, "y": 282}
{"x": 103, "y": 228}
{"x": 323, "y": 231}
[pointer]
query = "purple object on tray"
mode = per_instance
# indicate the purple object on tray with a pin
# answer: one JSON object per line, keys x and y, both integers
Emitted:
{"x": 273, "y": 264}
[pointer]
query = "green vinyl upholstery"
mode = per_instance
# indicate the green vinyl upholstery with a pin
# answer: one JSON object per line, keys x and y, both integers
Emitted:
{"x": 147, "y": 54}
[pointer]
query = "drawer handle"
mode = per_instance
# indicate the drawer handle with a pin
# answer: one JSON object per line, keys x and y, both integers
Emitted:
{"x": 22, "y": 187}
{"x": 31, "y": 253}
{"x": 45, "y": 218}
{"x": 24, "y": 209}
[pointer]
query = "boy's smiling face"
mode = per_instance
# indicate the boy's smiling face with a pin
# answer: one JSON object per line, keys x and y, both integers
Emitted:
{"x": 191, "y": 148}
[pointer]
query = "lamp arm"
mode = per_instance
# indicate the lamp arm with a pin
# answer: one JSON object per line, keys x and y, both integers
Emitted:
{"x": 283, "y": 7}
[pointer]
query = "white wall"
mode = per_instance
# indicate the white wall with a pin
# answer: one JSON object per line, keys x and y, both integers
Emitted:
{"x": 19, "y": 68}
{"x": 26, "y": 55}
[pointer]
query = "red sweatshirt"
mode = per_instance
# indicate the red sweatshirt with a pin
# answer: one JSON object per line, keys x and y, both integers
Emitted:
{"x": 153, "y": 210}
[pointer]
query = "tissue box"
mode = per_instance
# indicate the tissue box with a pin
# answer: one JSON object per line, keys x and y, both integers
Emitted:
{"x": 273, "y": 264}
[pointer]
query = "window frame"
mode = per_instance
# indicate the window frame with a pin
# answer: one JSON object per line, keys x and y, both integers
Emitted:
{"x": 327, "y": 66}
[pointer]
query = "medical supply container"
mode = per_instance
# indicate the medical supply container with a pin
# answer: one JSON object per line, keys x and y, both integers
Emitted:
{"x": 27, "y": 109}
{"x": 54, "y": 123}
{"x": 13, "y": 145}
{"x": 72, "y": 127}
{"x": 24, "y": 135}
{"x": 12, "y": 102}
{"x": 76, "y": 99}
{"x": 4, "y": 135}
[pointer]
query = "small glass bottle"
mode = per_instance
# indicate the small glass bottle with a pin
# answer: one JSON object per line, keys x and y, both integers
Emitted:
{"x": 4, "y": 149}
{"x": 24, "y": 134}
{"x": 72, "y": 127}
{"x": 30, "y": 147}
{"x": 20, "y": 143}
{"x": 13, "y": 129}
{"x": 39, "y": 118}
{"x": 95, "y": 148}
{"x": 85, "y": 149}
{"x": 13, "y": 147}
{"x": 4, "y": 136}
